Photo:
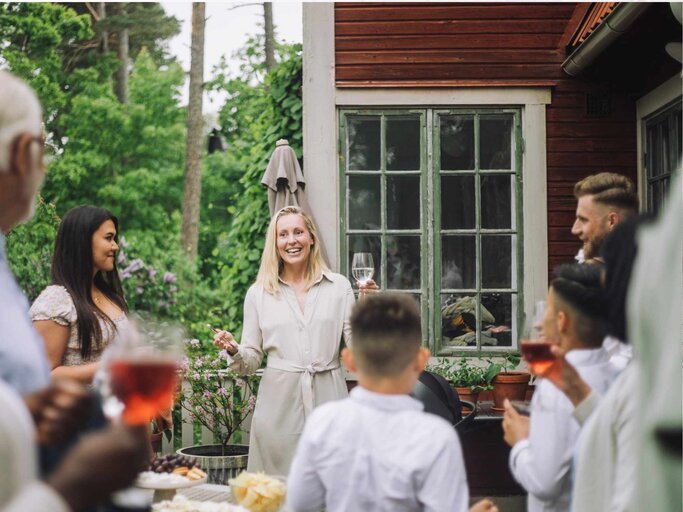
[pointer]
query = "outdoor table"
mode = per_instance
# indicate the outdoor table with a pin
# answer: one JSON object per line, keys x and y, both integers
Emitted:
{"x": 486, "y": 455}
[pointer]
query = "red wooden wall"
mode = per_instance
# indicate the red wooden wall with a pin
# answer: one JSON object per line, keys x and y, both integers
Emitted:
{"x": 470, "y": 44}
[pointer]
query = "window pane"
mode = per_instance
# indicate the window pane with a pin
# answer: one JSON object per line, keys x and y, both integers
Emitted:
{"x": 496, "y": 319}
{"x": 495, "y": 142}
{"x": 458, "y": 320}
{"x": 364, "y": 143}
{"x": 496, "y": 261}
{"x": 496, "y": 206}
{"x": 403, "y": 202}
{"x": 364, "y": 202}
{"x": 365, "y": 243}
{"x": 403, "y": 144}
{"x": 457, "y": 143}
{"x": 458, "y": 265}
{"x": 403, "y": 262}
{"x": 457, "y": 202}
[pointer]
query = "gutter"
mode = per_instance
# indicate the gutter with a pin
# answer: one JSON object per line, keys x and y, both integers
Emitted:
{"x": 612, "y": 27}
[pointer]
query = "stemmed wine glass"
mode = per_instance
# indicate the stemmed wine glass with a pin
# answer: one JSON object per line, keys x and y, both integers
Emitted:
{"x": 362, "y": 267}
{"x": 141, "y": 371}
{"x": 535, "y": 347}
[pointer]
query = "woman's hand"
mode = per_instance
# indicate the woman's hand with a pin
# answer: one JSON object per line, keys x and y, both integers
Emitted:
{"x": 367, "y": 288}
{"x": 225, "y": 340}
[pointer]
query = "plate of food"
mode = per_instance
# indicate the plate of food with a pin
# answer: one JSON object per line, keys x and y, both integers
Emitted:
{"x": 168, "y": 473}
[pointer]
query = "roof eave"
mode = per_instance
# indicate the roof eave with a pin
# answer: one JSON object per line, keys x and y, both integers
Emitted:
{"x": 614, "y": 25}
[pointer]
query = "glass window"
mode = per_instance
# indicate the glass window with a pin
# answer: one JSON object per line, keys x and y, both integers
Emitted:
{"x": 662, "y": 154}
{"x": 435, "y": 196}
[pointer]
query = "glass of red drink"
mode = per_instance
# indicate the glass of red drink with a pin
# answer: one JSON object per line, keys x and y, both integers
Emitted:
{"x": 534, "y": 347}
{"x": 142, "y": 370}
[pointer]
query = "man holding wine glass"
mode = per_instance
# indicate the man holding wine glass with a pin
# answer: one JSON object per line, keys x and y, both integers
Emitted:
{"x": 543, "y": 445}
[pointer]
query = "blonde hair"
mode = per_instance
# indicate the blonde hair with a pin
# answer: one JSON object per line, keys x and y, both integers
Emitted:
{"x": 271, "y": 263}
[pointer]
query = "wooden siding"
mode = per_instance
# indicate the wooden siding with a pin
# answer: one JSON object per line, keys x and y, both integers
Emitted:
{"x": 498, "y": 44}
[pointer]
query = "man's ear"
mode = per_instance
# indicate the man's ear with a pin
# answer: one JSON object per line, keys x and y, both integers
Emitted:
{"x": 563, "y": 321}
{"x": 421, "y": 359}
{"x": 613, "y": 219}
{"x": 20, "y": 159}
{"x": 349, "y": 360}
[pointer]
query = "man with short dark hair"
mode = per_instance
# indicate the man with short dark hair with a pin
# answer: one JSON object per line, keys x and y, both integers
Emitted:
{"x": 543, "y": 445}
{"x": 603, "y": 200}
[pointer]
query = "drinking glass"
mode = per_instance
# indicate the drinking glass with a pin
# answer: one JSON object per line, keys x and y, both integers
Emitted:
{"x": 141, "y": 371}
{"x": 535, "y": 348}
{"x": 362, "y": 267}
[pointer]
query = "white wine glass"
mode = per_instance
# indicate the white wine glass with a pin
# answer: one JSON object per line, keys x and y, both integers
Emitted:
{"x": 362, "y": 267}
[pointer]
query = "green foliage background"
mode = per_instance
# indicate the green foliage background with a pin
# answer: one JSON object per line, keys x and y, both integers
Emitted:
{"x": 129, "y": 158}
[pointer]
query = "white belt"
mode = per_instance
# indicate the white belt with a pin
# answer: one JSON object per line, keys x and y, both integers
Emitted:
{"x": 307, "y": 378}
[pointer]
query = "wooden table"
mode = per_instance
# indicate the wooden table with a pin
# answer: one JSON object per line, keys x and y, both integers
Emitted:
{"x": 486, "y": 455}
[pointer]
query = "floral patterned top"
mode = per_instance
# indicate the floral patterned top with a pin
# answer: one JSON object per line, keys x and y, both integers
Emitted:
{"x": 54, "y": 303}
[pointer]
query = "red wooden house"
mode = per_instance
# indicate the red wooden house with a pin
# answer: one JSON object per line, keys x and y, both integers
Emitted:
{"x": 445, "y": 139}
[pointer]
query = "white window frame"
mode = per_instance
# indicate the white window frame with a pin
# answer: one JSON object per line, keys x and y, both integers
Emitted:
{"x": 321, "y": 103}
{"x": 646, "y": 107}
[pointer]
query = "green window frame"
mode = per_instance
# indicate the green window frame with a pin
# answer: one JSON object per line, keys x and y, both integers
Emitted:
{"x": 429, "y": 227}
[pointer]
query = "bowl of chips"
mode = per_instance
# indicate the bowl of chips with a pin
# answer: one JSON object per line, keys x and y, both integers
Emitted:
{"x": 258, "y": 492}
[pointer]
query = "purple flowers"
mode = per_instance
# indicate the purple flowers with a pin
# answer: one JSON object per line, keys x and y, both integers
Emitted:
{"x": 169, "y": 277}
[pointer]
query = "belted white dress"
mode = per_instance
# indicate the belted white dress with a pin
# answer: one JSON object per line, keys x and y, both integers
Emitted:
{"x": 303, "y": 368}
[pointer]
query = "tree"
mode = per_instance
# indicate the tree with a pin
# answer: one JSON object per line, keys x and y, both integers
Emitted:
{"x": 122, "y": 73}
{"x": 269, "y": 32}
{"x": 193, "y": 161}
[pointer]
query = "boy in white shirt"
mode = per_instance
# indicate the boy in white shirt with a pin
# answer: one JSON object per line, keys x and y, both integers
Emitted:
{"x": 377, "y": 450}
{"x": 543, "y": 445}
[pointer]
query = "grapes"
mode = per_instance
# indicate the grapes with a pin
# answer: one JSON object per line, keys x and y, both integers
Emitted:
{"x": 167, "y": 463}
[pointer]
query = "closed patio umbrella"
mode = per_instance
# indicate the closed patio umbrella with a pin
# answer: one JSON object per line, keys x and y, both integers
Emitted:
{"x": 286, "y": 183}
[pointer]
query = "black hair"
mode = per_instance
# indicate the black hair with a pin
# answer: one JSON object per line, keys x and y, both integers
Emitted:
{"x": 619, "y": 251}
{"x": 579, "y": 287}
{"x": 72, "y": 268}
{"x": 387, "y": 333}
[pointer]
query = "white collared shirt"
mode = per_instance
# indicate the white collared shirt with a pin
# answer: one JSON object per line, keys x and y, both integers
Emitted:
{"x": 541, "y": 463}
{"x": 23, "y": 364}
{"x": 377, "y": 452}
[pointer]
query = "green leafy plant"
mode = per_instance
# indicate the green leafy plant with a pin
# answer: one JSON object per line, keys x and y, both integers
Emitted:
{"x": 216, "y": 397}
{"x": 508, "y": 364}
{"x": 462, "y": 373}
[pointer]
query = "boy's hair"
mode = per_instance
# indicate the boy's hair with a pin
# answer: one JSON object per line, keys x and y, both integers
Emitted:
{"x": 387, "y": 333}
{"x": 577, "y": 287}
{"x": 610, "y": 189}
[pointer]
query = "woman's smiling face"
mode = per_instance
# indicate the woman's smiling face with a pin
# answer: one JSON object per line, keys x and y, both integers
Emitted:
{"x": 294, "y": 241}
{"x": 104, "y": 247}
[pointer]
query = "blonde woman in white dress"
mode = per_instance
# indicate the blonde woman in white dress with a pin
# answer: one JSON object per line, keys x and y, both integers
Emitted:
{"x": 296, "y": 314}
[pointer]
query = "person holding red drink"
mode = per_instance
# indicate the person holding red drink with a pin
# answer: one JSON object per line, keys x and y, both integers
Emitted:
{"x": 543, "y": 444}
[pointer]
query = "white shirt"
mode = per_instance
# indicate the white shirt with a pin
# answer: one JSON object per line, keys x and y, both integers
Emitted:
{"x": 377, "y": 452}
{"x": 620, "y": 353}
{"x": 606, "y": 458}
{"x": 542, "y": 462}
{"x": 20, "y": 491}
{"x": 23, "y": 364}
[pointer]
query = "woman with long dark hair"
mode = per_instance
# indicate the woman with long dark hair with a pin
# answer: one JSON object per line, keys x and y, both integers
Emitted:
{"x": 82, "y": 310}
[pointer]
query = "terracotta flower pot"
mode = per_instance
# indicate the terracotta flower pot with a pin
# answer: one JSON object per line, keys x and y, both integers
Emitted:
{"x": 510, "y": 385}
{"x": 465, "y": 393}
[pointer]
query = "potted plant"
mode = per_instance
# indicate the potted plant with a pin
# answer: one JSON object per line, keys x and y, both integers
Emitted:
{"x": 469, "y": 380}
{"x": 221, "y": 401}
{"x": 507, "y": 383}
